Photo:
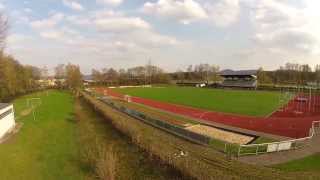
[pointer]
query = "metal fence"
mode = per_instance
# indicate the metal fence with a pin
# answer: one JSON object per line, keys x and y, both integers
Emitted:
{"x": 176, "y": 130}
{"x": 255, "y": 149}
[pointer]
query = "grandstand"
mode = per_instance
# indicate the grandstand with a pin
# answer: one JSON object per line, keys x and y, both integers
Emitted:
{"x": 239, "y": 79}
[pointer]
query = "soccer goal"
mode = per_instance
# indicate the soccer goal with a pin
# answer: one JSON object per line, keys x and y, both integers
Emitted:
{"x": 33, "y": 103}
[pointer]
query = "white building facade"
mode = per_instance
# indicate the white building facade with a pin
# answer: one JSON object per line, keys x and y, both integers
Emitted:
{"x": 7, "y": 122}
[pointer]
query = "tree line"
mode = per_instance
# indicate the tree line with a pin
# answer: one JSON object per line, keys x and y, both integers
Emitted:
{"x": 139, "y": 75}
{"x": 200, "y": 72}
{"x": 70, "y": 74}
{"x": 291, "y": 73}
{"x": 14, "y": 78}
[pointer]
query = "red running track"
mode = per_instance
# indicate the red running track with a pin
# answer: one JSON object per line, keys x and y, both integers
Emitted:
{"x": 294, "y": 127}
{"x": 298, "y": 108}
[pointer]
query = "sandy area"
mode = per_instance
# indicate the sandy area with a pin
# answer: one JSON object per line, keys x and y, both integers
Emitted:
{"x": 220, "y": 134}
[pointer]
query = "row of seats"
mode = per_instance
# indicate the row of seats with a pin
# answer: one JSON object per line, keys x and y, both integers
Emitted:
{"x": 240, "y": 83}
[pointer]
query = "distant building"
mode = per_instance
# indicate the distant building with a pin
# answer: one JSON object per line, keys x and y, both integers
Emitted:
{"x": 239, "y": 79}
{"x": 51, "y": 82}
{"x": 88, "y": 80}
{"x": 7, "y": 122}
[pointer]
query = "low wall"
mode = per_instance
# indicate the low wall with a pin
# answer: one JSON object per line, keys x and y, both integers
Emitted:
{"x": 7, "y": 122}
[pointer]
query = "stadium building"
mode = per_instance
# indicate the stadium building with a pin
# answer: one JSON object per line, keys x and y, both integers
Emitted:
{"x": 239, "y": 79}
{"x": 7, "y": 122}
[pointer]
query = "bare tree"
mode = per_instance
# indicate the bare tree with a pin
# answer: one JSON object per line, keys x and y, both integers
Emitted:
{"x": 60, "y": 71}
{"x": 44, "y": 72}
{"x": 74, "y": 76}
{"x": 97, "y": 76}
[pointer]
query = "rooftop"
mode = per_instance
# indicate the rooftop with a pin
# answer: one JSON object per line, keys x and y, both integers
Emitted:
{"x": 3, "y": 105}
{"x": 229, "y": 72}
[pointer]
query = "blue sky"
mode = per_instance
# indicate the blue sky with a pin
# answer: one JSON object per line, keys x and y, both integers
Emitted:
{"x": 237, "y": 34}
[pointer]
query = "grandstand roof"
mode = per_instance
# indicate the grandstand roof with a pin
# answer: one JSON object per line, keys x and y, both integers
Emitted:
{"x": 229, "y": 72}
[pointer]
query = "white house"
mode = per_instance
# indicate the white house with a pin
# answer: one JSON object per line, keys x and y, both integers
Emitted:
{"x": 7, "y": 122}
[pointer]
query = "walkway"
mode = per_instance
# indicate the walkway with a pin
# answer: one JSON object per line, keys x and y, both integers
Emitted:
{"x": 281, "y": 157}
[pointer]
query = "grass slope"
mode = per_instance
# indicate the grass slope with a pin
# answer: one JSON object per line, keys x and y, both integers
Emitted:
{"x": 45, "y": 148}
{"x": 96, "y": 134}
{"x": 310, "y": 163}
{"x": 253, "y": 103}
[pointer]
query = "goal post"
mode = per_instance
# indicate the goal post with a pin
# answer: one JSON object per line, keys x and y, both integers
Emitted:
{"x": 34, "y": 102}
{"x": 30, "y": 101}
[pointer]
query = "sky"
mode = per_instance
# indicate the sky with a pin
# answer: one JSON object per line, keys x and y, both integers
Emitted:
{"x": 172, "y": 34}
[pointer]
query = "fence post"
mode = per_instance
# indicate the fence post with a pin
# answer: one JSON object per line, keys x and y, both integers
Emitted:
{"x": 225, "y": 147}
{"x": 239, "y": 150}
{"x": 257, "y": 150}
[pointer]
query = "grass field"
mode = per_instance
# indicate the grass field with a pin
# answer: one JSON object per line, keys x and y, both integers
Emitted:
{"x": 243, "y": 102}
{"x": 45, "y": 148}
{"x": 68, "y": 141}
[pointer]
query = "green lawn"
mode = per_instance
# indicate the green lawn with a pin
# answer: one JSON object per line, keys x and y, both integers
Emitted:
{"x": 45, "y": 148}
{"x": 244, "y": 102}
{"x": 310, "y": 163}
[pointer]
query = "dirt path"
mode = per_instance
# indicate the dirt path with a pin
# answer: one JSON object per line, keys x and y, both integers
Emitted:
{"x": 285, "y": 156}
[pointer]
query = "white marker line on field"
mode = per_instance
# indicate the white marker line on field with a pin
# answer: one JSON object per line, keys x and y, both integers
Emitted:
{"x": 203, "y": 114}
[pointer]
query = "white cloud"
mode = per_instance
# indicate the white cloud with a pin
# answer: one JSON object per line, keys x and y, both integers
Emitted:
{"x": 126, "y": 28}
{"x": 27, "y": 10}
{"x": 49, "y": 22}
{"x": 222, "y": 13}
{"x": 14, "y": 39}
{"x": 185, "y": 11}
{"x": 121, "y": 24}
{"x": 73, "y": 5}
{"x": 115, "y": 33}
{"x": 65, "y": 35}
{"x": 55, "y": 35}
{"x": 110, "y": 2}
{"x": 2, "y": 6}
{"x": 77, "y": 20}
{"x": 283, "y": 28}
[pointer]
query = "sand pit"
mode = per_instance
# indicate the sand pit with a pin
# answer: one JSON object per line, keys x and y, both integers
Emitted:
{"x": 220, "y": 134}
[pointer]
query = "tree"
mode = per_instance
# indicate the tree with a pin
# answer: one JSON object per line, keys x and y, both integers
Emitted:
{"x": 263, "y": 77}
{"x": 44, "y": 72}
{"x": 180, "y": 75}
{"x": 15, "y": 78}
{"x": 317, "y": 74}
{"x": 215, "y": 69}
{"x": 110, "y": 76}
{"x": 73, "y": 76}
{"x": 60, "y": 71}
{"x": 97, "y": 76}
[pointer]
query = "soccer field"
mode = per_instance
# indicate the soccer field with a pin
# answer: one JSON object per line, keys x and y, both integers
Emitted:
{"x": 243, "y": 102}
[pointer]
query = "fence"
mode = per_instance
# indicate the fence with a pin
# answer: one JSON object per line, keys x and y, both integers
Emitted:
{"x": 194, "y": 137}
{"x": 255, "y": 149}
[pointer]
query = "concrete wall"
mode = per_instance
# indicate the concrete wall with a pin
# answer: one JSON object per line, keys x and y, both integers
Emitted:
{"x": 7, "y": 123}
